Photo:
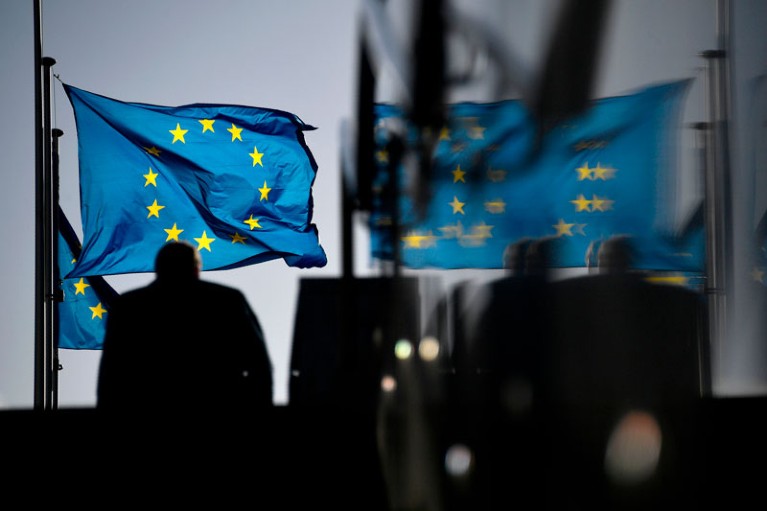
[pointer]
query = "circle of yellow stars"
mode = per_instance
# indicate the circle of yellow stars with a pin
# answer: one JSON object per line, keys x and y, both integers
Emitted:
{"x": 173, "y": 233}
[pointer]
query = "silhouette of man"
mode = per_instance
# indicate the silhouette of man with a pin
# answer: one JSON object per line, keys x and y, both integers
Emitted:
{"x": 181, "y": 344}
{"x": 615, "y": 255}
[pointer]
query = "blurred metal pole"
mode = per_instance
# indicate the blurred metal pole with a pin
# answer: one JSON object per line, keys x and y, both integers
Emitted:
{"x": 718, "y": 181}
{"x": 366, "y": 89}
{"x": 702, "y": 135}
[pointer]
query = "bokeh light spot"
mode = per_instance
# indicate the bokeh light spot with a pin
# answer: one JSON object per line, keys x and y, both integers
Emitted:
{"x": 428, "y": 349}
{"x": 403, "y": 349}
{"x": 633, "y": 450}
{"x": 459, "y": 460}
{"x": 388, "y": 383}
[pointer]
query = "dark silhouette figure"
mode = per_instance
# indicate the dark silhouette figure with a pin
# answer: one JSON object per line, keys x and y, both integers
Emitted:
{"x": 183, "y": 345}
{"x": 500, "y": 386}
{"x": 615, "y": 255}
{"x": 622, "y": 344}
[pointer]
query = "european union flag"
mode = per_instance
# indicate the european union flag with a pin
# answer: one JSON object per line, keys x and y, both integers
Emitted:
{"x": 236, "y": 181}
{"x": 599, "y": 174}
{"x": 86, "y": 301}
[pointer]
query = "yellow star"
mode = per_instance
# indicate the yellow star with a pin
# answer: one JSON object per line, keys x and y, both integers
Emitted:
{"x": 598, "y": 204}
{"x": 173, "y": 232}
{"x": 207, "y": 125}
{"x": 603, "y": 173}
{"x": 80, "y": 287}
{"x": 178, "y": 134}
{"x": 264, "y": 192}
{"x": 496, "y": 175}
{"x": 472, "y": 240}
{"x": 98, "y": 310}
{"x": 581, "y": 203}
{"x": 419, "y": 240}
{"x": 253, "y": 222}
{"x": 458, "y": 175}
{"x": 675, "y": 280}
{"x": 236, "y": 238}
{"x": 477, "y": 132}
{"x": 382, "y": 156}
{"x": 452, "y": 231}
{"x": 153, "y": 151}
{"x": 457, "y": 147}
{"x": 154, "y": 209}
{"x": 236, "y": 132}
{"x": 256, "y": 156}
{"x": 472, "y": 127}
{"x": 151, "y": 178}
{"x": 495, "y": 207}
{"x": 444, "y": 134}
{"x": 584, "y": 172}
{"x": 457, "y": 205}
{"x": 482, "y": 230}
{"x": 563, "y": 228}
{"x": 204, "y": 241}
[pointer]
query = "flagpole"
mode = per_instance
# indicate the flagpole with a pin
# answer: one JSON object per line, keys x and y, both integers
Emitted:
{"x": 57, "y": 293}
{"x": 702, "y": 136}
{"x": 718, "y": 208}
{"x": 48, "y": 234}
{"x": 39, "y": 383}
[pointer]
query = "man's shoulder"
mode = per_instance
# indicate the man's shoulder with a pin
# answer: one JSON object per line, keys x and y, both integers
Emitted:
{"x": 195, "y": 288}
{"x": 209, "y": 287}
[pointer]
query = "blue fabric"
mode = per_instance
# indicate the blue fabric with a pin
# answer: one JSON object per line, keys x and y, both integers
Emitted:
{"x": 494, "y": 181}
{"x": 235, "y": 181}
{"x": 86, "y": 301}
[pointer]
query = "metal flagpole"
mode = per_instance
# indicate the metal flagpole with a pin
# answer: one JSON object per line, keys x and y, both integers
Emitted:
{"x": 57, "y": 293}
{"x": 48, "y": 235}
{"x": 45, "y": 235}
{"x": 718, "y": 207}
{"x": 39, "y": 386}
{"x": 702, "y": 136}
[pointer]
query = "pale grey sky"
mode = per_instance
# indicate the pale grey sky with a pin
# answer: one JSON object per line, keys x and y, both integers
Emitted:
{"x": 299, "y": 56}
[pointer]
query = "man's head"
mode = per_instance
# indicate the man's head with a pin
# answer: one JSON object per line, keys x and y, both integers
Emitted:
{"x": 178, "y": 261}
{"x": 542, "y": 255}
{"x": 514, "y": 256}
{"x": 616, "y": 255}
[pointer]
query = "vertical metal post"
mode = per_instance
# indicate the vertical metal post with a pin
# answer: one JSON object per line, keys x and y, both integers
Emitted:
{"x": 48, "y": 213}
{"x": 57, "y": 293}
{"x": 702, "y": 135}
{"x": 718, "y": 182}
{"x": 39, "y": 384}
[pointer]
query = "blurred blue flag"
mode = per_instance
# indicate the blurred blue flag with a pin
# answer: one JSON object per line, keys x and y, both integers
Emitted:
{"x": 605, "y": 172}
{"x": 235, "y": 181}
{"x": 86, "y": 301}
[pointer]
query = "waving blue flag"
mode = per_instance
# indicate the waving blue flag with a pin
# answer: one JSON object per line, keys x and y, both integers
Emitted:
{"x": 493, "y": 182}
{"x": 86, "y": 301}
{"x": 235, "y": 181}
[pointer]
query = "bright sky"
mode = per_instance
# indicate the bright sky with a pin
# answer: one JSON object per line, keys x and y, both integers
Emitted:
{"x": 298, "y": 56}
